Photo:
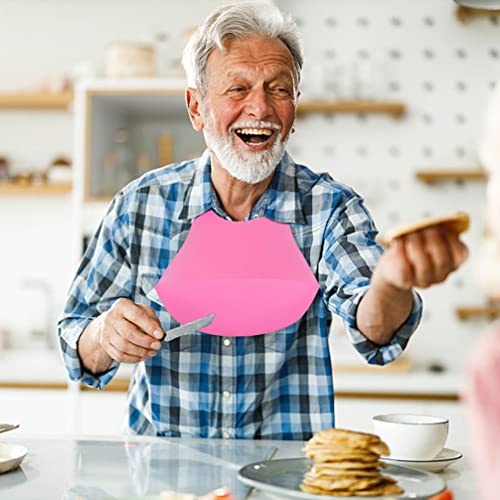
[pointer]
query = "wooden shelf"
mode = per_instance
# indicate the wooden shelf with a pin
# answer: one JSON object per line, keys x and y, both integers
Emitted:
{"x": 47, "y": 101}
{"x": 13, "y": 189}
{"x": 465, "y": 14}
{"x": 27, "y": 101}
{"x": 400, "y": 365}
{"x": 395, "y": 109}
{"x": 115, "y": 385}
{"x": 488, "y": 312}
{"x": 433, "y": 176}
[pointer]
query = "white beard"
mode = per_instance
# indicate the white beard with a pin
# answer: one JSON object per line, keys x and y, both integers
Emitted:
{"x": 247, "y": 166}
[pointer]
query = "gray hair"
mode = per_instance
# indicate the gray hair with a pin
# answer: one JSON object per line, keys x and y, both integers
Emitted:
{"x": 239, "y": 20}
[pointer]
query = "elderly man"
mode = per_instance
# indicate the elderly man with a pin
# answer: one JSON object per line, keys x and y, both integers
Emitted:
{"x": 243, "y": 67}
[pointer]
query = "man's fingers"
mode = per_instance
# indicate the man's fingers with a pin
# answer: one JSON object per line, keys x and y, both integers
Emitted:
{"x": 436, "y": 246}
{"x": 130, "y": 334}
{"x": 123, "y": 357}
{"x": 419, "y": 259}
{"x": 400, "y": 267}
{"x": 125, "y": 332}
{"x": 126, "y": 340}
{"x": 458, "y": 250}
{"x": 139, "y": 317}
{"x": 119, "y": 326}
{"x": 422, "y": 258}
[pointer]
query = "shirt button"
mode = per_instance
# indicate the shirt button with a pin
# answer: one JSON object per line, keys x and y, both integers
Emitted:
{"x": 226, "y": 394}
{"x": 255, "y": 216}
{"x": 227, "y": 342}
{"x": 226, "y": 434}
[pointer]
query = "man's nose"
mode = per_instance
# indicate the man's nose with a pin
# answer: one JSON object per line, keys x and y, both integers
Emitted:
{"x": 258, "y": 104}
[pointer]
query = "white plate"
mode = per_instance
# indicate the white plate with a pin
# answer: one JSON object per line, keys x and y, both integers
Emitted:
{"x": 281, "y": 479}
{"x": 438, "y": 464}
{"x": 11, "y": 456}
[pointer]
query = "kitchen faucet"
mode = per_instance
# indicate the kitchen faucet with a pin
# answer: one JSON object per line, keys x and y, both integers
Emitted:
{"x": 49, "y": 308}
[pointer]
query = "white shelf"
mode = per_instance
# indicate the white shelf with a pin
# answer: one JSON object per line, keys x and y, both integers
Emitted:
{"x": 134, "y": 85}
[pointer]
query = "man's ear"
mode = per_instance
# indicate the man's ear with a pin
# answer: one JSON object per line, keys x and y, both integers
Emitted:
{"x": 295, "y": 113}
{"x": 195, "y": 108}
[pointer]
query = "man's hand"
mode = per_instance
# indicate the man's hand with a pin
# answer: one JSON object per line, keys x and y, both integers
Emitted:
{"x": 420, "y": 259}
{"x": 127, "y": 332}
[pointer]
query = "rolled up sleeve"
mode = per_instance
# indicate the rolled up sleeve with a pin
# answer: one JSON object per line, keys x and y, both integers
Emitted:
{"x": 381, "y": 355}
{"x": 349, "y": 258}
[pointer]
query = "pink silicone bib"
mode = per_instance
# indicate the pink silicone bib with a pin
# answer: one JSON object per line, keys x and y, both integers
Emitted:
{"x": 251, "y": 274}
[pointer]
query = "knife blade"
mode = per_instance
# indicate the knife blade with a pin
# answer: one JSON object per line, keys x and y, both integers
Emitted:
{"x": 186, "y": 328}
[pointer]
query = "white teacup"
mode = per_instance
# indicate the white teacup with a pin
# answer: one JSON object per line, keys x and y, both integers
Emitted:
{"x": 412, "y": 437}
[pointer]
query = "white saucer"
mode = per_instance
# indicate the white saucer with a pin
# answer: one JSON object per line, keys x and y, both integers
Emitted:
{"x": 438, "y": 464}
{"x": 11, "y": 456}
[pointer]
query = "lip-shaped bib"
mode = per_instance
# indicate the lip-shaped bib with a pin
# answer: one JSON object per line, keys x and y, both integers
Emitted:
{"x": 251, "y": 274}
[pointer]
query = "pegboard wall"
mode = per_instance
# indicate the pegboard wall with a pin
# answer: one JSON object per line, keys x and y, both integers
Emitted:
{"x": 444, "y": 71}
{"x": 415, "y": 52}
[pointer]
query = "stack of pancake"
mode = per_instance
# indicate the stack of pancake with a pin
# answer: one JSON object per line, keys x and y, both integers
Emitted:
{"x": 346, "y": 464}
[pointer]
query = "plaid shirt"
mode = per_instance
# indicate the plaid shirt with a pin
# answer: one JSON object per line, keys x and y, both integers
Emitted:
{"x": 278, "y": 385}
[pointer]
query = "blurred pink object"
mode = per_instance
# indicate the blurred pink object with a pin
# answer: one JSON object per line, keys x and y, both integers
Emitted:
{"x": 482, "y": 398}
{"x": 223, "y": 493}
{"x": 251, "y": 274}
{"x": 219, "y": 494}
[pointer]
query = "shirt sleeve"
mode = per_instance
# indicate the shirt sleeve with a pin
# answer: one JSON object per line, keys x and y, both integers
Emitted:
{"x": 350, "y": 255}
{"x": 104, "y": 275}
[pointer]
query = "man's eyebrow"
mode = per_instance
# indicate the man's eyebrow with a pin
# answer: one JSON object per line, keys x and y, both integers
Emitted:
{"x": 283, "y": 74}
{"x": 233, "y": 74}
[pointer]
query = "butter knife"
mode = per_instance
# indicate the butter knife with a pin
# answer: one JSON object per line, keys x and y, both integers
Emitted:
{"x": 186, "y": 328}
{"x": 8, "y": 427}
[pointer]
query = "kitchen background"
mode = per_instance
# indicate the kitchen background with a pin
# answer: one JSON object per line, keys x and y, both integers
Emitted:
{"x": 434, "y": 66}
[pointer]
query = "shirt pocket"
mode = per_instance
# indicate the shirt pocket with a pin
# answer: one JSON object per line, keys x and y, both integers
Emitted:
{"x": 186, "y": 342}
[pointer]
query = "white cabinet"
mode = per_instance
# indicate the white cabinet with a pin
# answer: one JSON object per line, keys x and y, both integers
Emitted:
{"x": 38, "y": 411}
{"x": 52, "y": 411}
{"x": 102, "y": 413}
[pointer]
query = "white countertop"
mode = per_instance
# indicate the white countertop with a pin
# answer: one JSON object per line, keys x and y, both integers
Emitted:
{"x": 73, "y": 467}
{"x": 25, "y": 366}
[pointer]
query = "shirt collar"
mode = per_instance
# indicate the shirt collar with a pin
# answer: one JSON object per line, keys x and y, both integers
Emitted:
{"x": 281, "y": 202}
{"x": 199, "y": 195}
{"x": 285, "y": 194}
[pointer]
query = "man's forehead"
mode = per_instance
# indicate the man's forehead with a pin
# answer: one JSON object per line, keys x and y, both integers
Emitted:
{"x": 239, "y": 55}
{"x": 240, "y": 71}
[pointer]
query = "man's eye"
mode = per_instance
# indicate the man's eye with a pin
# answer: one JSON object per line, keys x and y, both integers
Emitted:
{"x": 236, "y": 89}
{"x": 282, "y": 91}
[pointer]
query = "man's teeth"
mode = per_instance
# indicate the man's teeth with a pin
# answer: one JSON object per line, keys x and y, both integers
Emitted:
{"x": 254, "y": 131}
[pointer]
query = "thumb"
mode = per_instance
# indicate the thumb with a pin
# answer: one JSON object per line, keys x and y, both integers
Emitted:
{"x": 397, "y": 266}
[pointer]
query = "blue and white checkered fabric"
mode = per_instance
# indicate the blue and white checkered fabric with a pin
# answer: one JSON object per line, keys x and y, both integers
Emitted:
{"x": 276, "y": 386}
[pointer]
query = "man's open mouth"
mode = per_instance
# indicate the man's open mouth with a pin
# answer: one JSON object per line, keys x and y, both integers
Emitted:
{"x": 254, "y": 135}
